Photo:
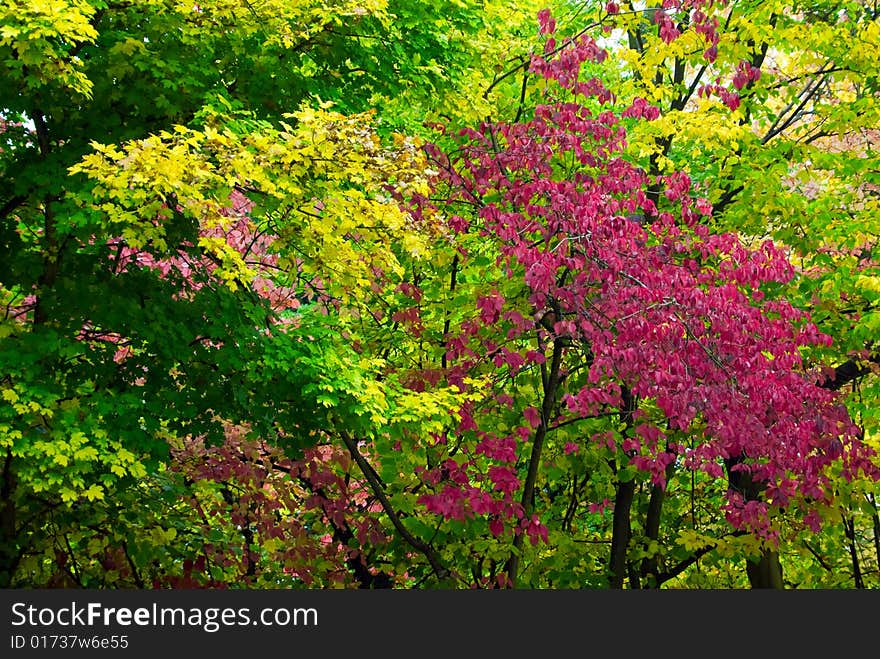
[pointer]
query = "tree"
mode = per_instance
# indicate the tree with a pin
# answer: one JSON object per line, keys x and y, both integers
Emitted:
{"x": 628, "y": 314}
{"x": 772, "y": 107}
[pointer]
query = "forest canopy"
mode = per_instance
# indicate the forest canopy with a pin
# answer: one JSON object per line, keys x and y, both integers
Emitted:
{"x": 406, "y": 294}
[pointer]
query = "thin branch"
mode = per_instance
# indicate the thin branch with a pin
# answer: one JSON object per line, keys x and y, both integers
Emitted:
{"x": 11, "y": 205}
{"x": 373, "y": 479}
{"x": 525, "y": 61}
{"x": 808, "y": 94}
{"x": 818, "y": 557}
{"x": 527, "y": 500}
{"x": 134, "y": 571}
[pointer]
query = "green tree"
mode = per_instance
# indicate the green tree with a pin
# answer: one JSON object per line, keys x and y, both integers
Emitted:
{"x": 188, "y": 236}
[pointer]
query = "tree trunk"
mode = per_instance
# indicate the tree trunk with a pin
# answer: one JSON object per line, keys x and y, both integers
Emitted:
{"x": 551, "y": 381}
{"x": 651, "y": 566}
{"x": 621, "y": 533}
{"x": 9, "y": 554}
{"x": 849, "y": 526}
{"x": 766, "y": 571}
{"x": 875, "y": 518}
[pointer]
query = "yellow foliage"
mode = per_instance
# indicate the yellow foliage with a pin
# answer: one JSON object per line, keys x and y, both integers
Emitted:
{"x": 38, "y": 35}
{"x": 281, "y": 22}
{"x": 329, "y": 175}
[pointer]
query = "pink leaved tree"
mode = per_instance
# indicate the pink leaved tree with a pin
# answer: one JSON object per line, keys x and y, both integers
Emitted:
{"x": 628, "y": 307}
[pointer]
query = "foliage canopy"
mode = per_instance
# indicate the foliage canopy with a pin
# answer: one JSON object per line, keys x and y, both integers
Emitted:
{"x": 376, "y": 294}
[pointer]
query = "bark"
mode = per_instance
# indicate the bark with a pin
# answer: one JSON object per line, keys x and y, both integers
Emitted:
{"x": 9, "y": 553}
{"x": 849, "y": 526}
{"x": 551, "y": 386}
{"x": 765, "y": 571}
{"x": 875, "y": 518}
{"x": 849, "y": 371}
{"x": 651, "y": 566}
{"x": 621, "y": 533}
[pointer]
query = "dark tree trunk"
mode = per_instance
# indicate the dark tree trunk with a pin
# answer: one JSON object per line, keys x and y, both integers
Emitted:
{"x": 651, "y": 566}
{"x": 765, "y": 571}
{"x": 849, "y": 526}
{"x": 621, "y": 533}
{"x": 9, "y": 553}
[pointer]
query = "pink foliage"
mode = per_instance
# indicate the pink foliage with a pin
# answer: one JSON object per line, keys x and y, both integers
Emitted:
{"x": 277, "y": 498}
{"x": 668, "y": 310}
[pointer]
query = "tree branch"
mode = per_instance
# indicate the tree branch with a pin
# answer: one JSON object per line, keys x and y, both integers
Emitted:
{"x": 849, "y": 371}
{"x": 375, "y": 483}
{"x": 528, "y": 494}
